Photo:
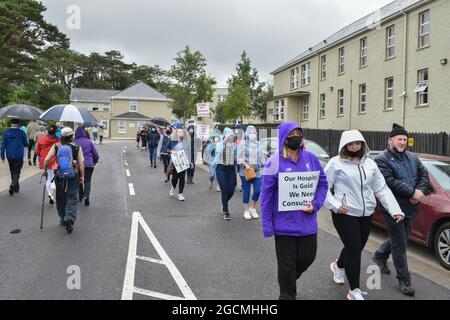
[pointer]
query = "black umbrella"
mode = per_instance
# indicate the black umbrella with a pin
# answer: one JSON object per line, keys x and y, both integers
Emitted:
{"x": 21, "y": 112}
{"x": 160, "y": 122}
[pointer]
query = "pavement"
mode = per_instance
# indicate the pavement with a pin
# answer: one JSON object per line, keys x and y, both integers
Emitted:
{"x": 137, "y": 242}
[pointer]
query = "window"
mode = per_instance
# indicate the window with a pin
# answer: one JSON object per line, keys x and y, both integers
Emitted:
{"x": 306, "y": 74}
{"x": 424, "y": 29}
{"x": 389, "y": 104}
{"x": 294, "y": 78}
{"x": 341, "y": 60}
{"x": 341, "y": 102}
{"x": 422, "y": 88}
{"x": 363, "y": 57}
{"x": 140, "y": 124}
{"x": 106, "y": 107}
{"x": 133, "y": 106}
{"x": 390, "y": 42}
{"x": 122, "y": 128}
{"x": 305, "y": 108}
{"x": 279, "y": 110}
{"x": 362, "y": 98}
{"x": 95, "y": 109}
{"x": 323, "y": 64}
{"x": 322, "y": 106}
{"x": 221, "y": 97}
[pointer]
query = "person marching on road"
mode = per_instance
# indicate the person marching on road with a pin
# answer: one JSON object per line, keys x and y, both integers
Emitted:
{"x": 225, "y": 165}
{"x": 356, "y": 181}
{"x": 295, "y": 231}
{"x": 210, "y": 150}
{"x": 37, "y": 136}
{"x": 250, "y": 159}
{"x": 94, "y": 133}
{"x": 101, "y": 134}
{"x": 32, "y": 129}
{"x": 193, "y": 153}
{"x": 68, "y": 175}
{"x": 179, "y": 141}
{"x": 408, "y": 179}
{"x": 162, "y": 152}
{"x": 43, "y": 147}
{"x": 90, "y": 160}
{"x": 14, "y": 142}
{"x": 152, "y": 141}
{"x": 144, "y": 135}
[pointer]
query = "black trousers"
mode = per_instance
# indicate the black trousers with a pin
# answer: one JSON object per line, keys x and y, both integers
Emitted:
{"x": 15, "y": 166}
{"x": 85, "y": 190}
{"x": 354, "y": 232}
{"x": 178, "y": 176}
{"x": 165, "y": 159}
{"x": 30, "y": 147}
{"x": 294, "y": 256}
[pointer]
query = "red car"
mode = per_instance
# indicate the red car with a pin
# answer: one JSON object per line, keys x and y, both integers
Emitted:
{"x": 431, "y": 225}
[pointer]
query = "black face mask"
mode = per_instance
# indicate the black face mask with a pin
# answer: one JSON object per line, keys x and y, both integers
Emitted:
{"x": 294, "y": 143}
{"x": 353, "y": 154}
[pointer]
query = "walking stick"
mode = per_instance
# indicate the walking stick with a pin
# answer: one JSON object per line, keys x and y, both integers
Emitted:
{"x": 43, "y": 200}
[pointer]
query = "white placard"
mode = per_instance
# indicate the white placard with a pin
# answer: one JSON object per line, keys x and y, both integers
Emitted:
{"x": 295, "y": 189}
{"x": 202, "y": 132}
{"x": 203, "y": 110}
{"x": 180, "y": 161}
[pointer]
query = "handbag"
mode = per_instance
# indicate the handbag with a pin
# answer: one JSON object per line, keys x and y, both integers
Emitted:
{"x": 250, "y": 173}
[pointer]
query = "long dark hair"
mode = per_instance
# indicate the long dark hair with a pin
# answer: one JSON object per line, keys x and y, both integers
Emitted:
{"x": 360, "y": 154}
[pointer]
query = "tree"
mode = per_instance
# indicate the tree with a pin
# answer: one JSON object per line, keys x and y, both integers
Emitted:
{"x": 24, "y": 36}
{"x": 246, "y": 78}
{"x": 260, "y": 102}
{"x": 237, "y": 105}
{"x": 192, "y": 84}
{"x": 154, "y": 76}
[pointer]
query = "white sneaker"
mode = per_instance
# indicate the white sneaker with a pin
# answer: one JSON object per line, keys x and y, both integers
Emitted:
{"x": 218, "y": 189}
{"x": 356, "y": 294}
{"x": 247, "y": 215}
{"x": 338, "y": 274}
{"x": 254, "y": 214}
{"x": 181, "y": 197}
{"x": 172, "y": 191}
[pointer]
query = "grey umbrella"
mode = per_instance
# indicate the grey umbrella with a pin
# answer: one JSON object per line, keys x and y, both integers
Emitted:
{"x": 21, "y": 112}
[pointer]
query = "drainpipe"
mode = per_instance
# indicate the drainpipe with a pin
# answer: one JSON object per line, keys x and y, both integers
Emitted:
{"x": 318, "y": 90}
{"x": 405, "y": 66}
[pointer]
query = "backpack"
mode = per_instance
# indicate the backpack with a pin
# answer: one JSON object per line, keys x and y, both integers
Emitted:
{"x": 65, "y": 155}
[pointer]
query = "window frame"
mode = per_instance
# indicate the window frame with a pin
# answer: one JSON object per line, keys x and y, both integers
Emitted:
{"x": 362, "y": 95}
{"x": 387, "y": 90}
{"x": 341, "y": 60}
{"x": 422, "y": 88}
{"x": 306, "y": 74}
{"x": 323, "y": 67}
{"x": 124, "y": 126}
{"x": 422, "y": 24}
{"x": 339, "y": 105}
{"x": 322, "y": 105}
{"x": 305, "y": 107}
{"x": 390, "y": 42}
{"x": 131, "y": 104}
{"x": 363, "y": 52}
{"x": 295, "y": 78}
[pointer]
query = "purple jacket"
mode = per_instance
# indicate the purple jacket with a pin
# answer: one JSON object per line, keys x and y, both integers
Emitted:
{"x": 88, "y": 147}
{"x": 289, "y": 223}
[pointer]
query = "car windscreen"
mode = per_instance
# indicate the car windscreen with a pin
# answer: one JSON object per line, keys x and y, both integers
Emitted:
{"x": 440, "y": 171}
{"x": 316, "y": 149}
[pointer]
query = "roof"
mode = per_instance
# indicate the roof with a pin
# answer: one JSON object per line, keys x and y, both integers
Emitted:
{"x": 364, "y": 23}
{"x": 140, "y": 91}
{"x": 91, "y": 95}
{"x": 131, "y": 115}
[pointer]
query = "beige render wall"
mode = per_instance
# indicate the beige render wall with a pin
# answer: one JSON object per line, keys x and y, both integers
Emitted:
{"x": 435, "y": 117}
{"x": 131, "y": 130}
{"x": 99, "y": 115}
{"x": 150, "y": 109}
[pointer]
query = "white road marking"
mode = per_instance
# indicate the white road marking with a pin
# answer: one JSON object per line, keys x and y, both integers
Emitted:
{"x": 128, "y": 173}
{"x": 128, "y": 286}
{"x": 131, "y": 187}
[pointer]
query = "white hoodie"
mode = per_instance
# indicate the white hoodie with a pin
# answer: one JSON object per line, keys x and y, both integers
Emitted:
{"x": 355, "y": 185}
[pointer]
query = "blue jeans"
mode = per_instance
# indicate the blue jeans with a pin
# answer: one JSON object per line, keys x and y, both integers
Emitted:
{"x": 396, "y": 244}
{"x": 152, "y": 151}
{"x": 95, "y": 136}
{"x": 246, "y": 185}
{"x": 67, "y": 198}
{"x": 226, "y": 176}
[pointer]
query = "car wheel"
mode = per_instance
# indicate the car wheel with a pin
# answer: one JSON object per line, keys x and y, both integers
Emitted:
{"x": 442, "y": 245}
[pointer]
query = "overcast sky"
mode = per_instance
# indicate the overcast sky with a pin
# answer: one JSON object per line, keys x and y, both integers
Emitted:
{"x": 151, "y": 32}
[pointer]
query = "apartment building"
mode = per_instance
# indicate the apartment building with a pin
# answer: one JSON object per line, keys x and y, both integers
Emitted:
{"x": 390, "y": 66}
